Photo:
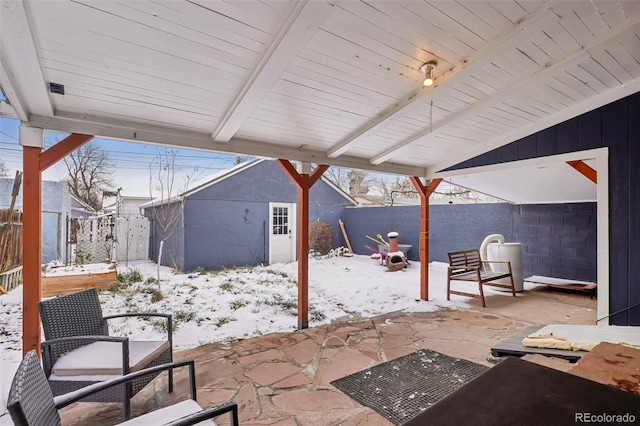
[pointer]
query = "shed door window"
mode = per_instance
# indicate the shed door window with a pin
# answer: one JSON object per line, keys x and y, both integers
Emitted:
{"x": 280, "y": 221}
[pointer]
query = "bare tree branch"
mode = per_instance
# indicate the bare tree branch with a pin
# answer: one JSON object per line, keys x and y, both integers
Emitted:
{"x": 338, "y": 176}
{"x": 4, "y": 169}
{"x": 167, "y": 206}
{"x": 90, "y": 171}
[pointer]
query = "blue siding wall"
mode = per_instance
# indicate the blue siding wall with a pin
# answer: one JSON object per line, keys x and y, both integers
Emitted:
{"x": 361, "y": 221}
{"x": 56, "y": 204}
{"x": 615, "y": 126}
{"x": 451, "y": 227}
{"x": 236, "y": 211}
{"x": 173, "y": 248}
{"x": 463, "y": 226}
{"x": 558, "y": 240}
{"x": 223, "y": 233}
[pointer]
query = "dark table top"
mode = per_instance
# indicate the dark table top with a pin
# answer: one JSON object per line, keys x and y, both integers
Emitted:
{"x": 517, "y": 392}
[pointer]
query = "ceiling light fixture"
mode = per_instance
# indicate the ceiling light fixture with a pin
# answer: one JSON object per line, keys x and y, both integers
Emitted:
{"x": 427, "y": 68}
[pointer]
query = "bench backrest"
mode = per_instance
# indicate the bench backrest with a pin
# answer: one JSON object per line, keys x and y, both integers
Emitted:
{"x": 464, "y": 258}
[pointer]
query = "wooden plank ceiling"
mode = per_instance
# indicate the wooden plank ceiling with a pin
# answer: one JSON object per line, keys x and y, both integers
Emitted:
{"x": 334, "y": 82}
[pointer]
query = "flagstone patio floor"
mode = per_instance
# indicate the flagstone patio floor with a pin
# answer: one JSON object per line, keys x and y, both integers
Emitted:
{"x": 284, "y": 379}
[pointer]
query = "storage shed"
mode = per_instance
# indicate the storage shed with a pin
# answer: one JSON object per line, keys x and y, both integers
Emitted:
{"x": 242, "y": 216}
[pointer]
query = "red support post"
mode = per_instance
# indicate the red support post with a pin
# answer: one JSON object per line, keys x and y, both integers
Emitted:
{"x": 304, "y": 182}
{"x": 34, "y": 163}
{"x": 303, "y": 253}
{"x": 31, "y": 248}
{"x": 425, "y": 192}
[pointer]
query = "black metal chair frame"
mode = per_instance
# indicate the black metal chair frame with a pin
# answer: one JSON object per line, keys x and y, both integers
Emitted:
{"x": 31, "y": 402}
{"x": 76, "y": 320}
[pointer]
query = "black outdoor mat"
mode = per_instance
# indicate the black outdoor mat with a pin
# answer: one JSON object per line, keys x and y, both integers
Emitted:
{"x": 404, "y": 387}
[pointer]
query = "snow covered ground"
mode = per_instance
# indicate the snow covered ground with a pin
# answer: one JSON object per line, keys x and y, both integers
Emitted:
{"x": 238, "y": 303}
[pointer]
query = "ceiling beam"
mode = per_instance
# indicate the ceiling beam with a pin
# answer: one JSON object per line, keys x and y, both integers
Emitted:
{"x": 534, "y": 22}
{"x": 532, "y": 79}
{"x": 21, "y": 70}
{"x": 130, "y": 131}
{"x": 301, "y": 24}
{"x": 7, "y": 110}
{"x": 580, "y": 108}
{"x": 7, "y": 84}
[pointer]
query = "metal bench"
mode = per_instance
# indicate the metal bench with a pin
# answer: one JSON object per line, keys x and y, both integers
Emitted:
{"x": 466, "y": 265}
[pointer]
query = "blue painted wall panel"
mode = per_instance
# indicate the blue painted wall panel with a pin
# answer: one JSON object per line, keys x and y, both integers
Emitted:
{"x": 224, "y": 224}
{"x": 555, "y": 239}
{"x": 222, "y": 234}
{"x": 567, "y": 136}
{"x": 546, "y": 143}
{"x": 527, "y": 147}
{"x": 167, "y": 223}
{"x": 56, "y": 204}
{"x": 590, "y": 130}
{"x": 615, "y": 126}
{"x": 634, "y": 207}
{"x": 452, "y": 227}
{"x": 370, "y": 221}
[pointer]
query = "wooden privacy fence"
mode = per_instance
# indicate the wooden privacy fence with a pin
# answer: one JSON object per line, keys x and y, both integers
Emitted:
{"x": 10, "y": 249}
{"x": 10, "y": 239}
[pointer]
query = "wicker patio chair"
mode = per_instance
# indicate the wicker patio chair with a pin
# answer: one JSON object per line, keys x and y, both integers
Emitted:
{"x": 79, "y": 352}
{"x": 31, "y": 402}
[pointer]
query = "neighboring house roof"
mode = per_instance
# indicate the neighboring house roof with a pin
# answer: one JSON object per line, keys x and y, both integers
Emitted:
{"x": 125, "y": 199}
{"x": 135, "y": 197}
{"x": 78, "y": 205}
{"x": 369, "y": 200}
{"x": 226, "y": 174}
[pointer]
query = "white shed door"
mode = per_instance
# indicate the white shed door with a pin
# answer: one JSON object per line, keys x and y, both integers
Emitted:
{"x": 282, "y": 237}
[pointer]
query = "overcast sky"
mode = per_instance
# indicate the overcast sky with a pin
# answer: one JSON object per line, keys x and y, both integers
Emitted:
{"x": 132, "y": 160}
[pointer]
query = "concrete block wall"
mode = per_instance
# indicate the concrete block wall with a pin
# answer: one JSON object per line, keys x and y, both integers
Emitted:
{"x": 451, "y": 227}
{"x": 558, "y": 240}
{"x": 464, "y": 226}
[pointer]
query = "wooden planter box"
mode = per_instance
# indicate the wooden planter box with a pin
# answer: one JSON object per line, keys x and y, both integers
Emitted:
{"x": 66, "y": 284}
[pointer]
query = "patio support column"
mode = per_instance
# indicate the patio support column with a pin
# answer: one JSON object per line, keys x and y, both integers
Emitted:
{"x": 34, "y": 162}
{"x": 425, "y": 192}
{"x": 304, "y": 182}
{"x": 32, "y": 141}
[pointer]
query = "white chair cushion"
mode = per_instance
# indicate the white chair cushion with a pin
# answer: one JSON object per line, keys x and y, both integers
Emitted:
{"x": 168, "y": 414}
{"x": 105, "y": 358}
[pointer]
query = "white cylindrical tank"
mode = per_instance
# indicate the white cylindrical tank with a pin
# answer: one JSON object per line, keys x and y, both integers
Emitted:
{"x": 511, "y": 252}
{"x": 485, "y": 243}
